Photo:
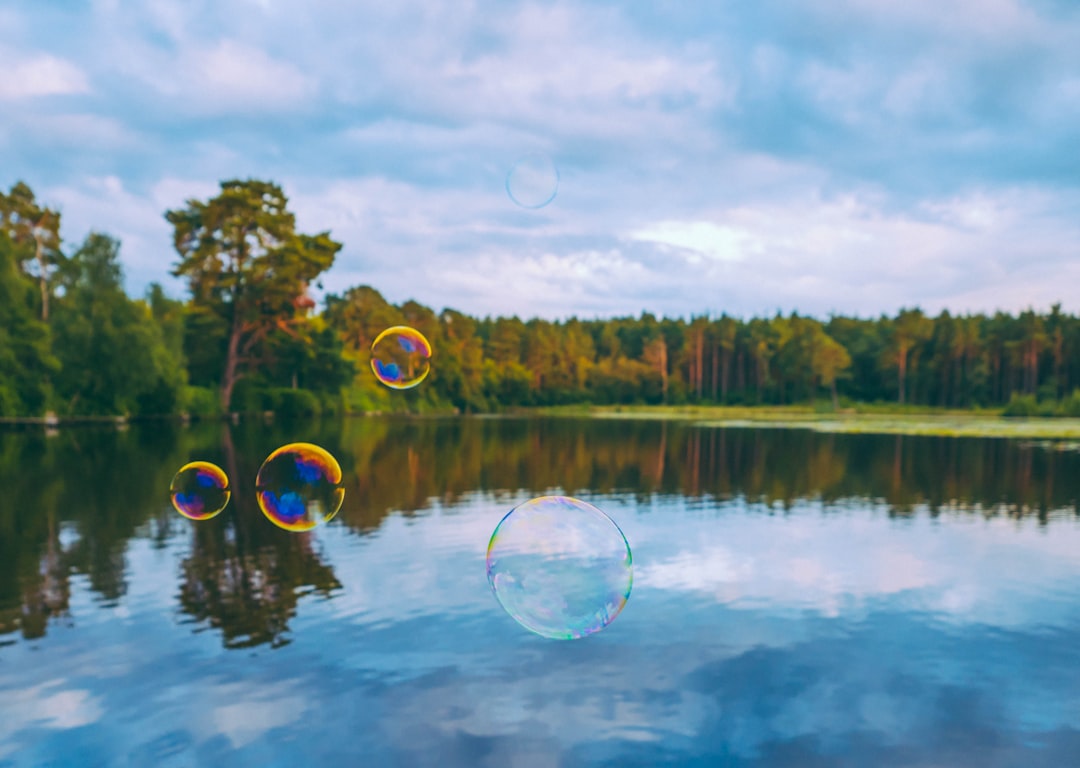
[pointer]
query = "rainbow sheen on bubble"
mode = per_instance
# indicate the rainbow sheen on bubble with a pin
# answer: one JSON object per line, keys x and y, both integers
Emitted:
{"x": 299, "y": 487}
{"x": 560, "y": 567}
{"x": 401, "y": 357}
{"x": 533, "y": 181}
{"x": 200, "y": 490}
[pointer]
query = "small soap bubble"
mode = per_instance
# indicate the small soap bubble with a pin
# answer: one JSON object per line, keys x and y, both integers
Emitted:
{"x": 560, "y": 567}
{"x": 299, "y": 487}
{"x": 533, "y": 181}
{"x": 401, "y": 357}
{"x": 200, "y": 490}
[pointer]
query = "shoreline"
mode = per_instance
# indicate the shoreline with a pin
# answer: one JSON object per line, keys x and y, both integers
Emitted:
{"x": 927, "y": 423}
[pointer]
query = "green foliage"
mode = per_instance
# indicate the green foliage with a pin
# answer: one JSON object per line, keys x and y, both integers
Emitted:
{"x": 34, "y": 232}
{"x": 26, "y": 359}
{"x": 1021, "y": 406}
{"x": 115, "y": 356}
{"x": 248, "y": 331}
{"x": 200, "y": 402}
{"x": 248, "y": 271}
{"x": 294, "y": 403}
{"x": 1070, "y": 406}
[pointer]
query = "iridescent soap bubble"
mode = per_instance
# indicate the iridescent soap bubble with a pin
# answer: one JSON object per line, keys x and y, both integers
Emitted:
{"x": 533, "y": 181}
{"x": 200, "y": 490}
{"x": 560, "y": 567}
{"x": 401, "y": 357}
{"x": 299, "y": 487}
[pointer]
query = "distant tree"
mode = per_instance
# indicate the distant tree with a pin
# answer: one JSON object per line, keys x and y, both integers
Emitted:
{"x": 910, "y": 328}
{"x": 35, "y": 231}
{"x": 727, "y": 329}
{"x": 1056, "y": 323}
{"x": 247, "y": 267}
{"x": 26, "y": 359}
{"x": 762, "y": 347}
{"x": 460, "y": 372}
{"x": 114, "y": 354}
{"x": 1035, "y": 341}
{"x": 829, "y": 361}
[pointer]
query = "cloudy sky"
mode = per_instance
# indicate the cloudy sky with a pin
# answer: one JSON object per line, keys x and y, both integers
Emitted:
{"x": 849, "y": 156}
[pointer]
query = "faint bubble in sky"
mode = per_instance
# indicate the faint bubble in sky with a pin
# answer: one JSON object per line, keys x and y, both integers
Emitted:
{"x": 533, "y": 181}
{"x": 299, "y": 487}
{"x": 400, "y": 357}
{"x": 200, "y": 490}
{"x": 560, "y": 567}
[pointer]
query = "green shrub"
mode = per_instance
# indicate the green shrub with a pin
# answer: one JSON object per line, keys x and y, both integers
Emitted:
{"x": 1070, "y": 406}
{"x": 9, "y": 401}
{"x": 1048, "y": 408}
{"x": 1021, "y": 406}
{"x": 332, "y": 404}
{"x": 249, "y": 397}
{"x": 293, "y": 403}
{"x": 160, "y": 400}
{"x": 200, "y": 402}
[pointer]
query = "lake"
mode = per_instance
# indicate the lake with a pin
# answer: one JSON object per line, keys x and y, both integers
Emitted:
{"x": 799, "y": 599}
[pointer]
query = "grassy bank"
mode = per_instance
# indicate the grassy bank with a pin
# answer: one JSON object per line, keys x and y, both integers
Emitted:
{"x": 867, "y": 420}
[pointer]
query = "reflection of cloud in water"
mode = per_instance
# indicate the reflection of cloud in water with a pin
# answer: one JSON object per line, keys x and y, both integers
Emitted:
{"x": 813, "y": 638}
{"x": 50, "y": 706}
{"x": 246, "y": 713}
{"x": 46, "y": 706}
{"x": 435, "y": 561}
{"x": 835, "y": 563}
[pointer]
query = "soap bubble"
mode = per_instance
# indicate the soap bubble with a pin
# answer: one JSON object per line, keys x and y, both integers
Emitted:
{"x": 533, "y": 181}
{"x": 560, "y": 567}
{"x": 299, "y": 487}
{"x": 200, "y": 490}
{"x": 401, "y": 357}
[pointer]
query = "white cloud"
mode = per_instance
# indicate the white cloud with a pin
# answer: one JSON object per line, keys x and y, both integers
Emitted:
{"x": 226, "y": 77}
{"x": 701, "y": 237}
{"x": 76, "y": 130}
{"x": 395, "y": 125}
{"x": 105, "y": 204}
{"x": 40, "y": 75}
{"x": 235, "y": 72}
{"x": 984, "y": 18}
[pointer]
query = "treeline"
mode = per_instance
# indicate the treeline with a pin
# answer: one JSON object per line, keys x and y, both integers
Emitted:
{"x": 249, "y": 338}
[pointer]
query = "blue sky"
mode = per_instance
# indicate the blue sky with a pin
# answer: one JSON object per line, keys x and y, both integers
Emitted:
{"x": 851, "y": 156}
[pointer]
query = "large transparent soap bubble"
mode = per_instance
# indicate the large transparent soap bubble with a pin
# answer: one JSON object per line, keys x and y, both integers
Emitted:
{"x": 400, "y": 357}
{"x": 200, "y": 490}
{"x": 560, "y": 567}
{"x": 299, "y": 487}
{"x": 533, "y": 181}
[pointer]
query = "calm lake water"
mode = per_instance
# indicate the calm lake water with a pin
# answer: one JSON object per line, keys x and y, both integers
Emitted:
{"x": 799, "y": 600}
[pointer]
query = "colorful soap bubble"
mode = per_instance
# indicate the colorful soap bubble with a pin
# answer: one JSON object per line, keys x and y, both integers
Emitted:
{"x": 401, "y": 357}
{"x": 299, "y": 487}
{"x": 200, "y": 490}
{"x": 560, "y": 567}
{"x": 533, "y": 181}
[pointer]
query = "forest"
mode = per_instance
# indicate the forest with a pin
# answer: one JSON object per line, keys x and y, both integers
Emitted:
{"x": 249, "y": 338}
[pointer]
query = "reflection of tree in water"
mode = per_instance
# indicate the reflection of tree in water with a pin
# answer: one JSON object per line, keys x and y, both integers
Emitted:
{"x": 73, "y": 503}
{"x": 244, "y": 575}
{"x": 403, "y": 465}
{"x": 98, "y": 485}
{"x": 43, "y": 595}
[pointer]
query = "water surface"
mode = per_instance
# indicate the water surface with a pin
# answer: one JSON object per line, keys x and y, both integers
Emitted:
{"x": 799, "y": 599}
